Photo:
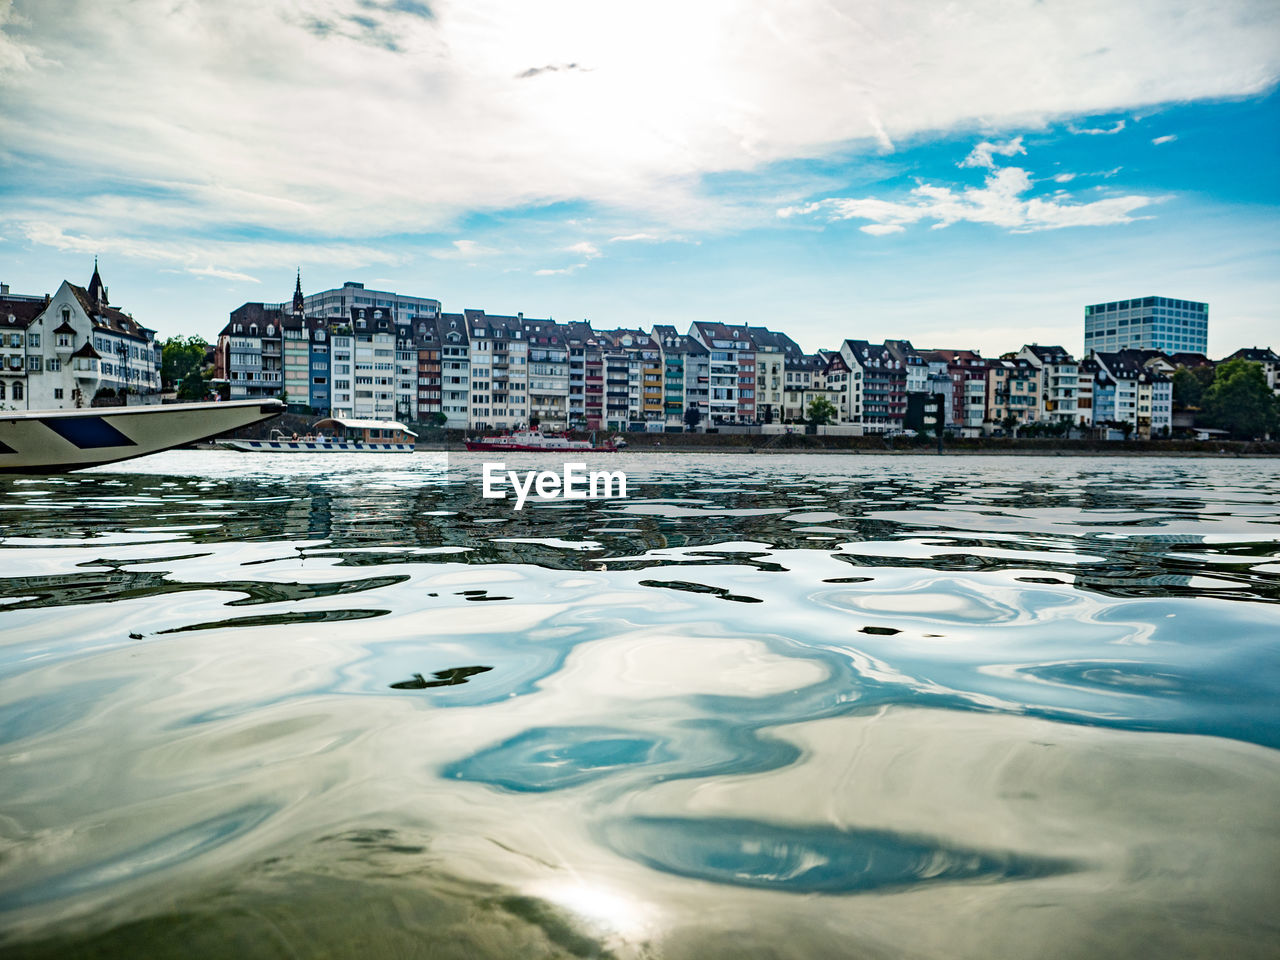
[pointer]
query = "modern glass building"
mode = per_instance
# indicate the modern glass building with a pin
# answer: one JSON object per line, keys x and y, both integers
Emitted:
{"x": 1147, "y": 323}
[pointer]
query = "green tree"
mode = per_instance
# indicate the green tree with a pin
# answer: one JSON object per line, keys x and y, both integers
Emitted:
{"x": 1010, "y": 424}
{"x": 180, "y": 356}
{"x": 1187, "y": 389}
{"x": 692, "y": 417}
{"x": 822, "y": 411}
{"x": 1240, "y": 401}
{"x": 193, "y": 386}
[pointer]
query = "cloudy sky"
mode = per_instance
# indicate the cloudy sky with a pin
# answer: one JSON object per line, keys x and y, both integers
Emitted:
{"x": 965, "y": 174}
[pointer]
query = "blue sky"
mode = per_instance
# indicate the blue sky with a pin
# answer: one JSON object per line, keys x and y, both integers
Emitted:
{"x": 967, "y": 175}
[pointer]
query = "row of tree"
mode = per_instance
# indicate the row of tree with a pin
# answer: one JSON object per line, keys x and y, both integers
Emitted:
{"x": 1231, "y": 396}
{"x": 182, "y": 367}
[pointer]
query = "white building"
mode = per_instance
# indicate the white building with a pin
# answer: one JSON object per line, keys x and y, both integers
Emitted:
{"x": 455, "y": 371}
{"x": 77, "y": 348}
{"x": 337, "y": 304}
{"x": 364, "y": 366}
{"x": 1059, "y": 382}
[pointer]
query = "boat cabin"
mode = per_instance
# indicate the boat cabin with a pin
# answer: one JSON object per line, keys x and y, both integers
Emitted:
{"x": 366, "y": 431}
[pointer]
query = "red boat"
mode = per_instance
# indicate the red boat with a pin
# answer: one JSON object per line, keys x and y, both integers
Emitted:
{"x": 535, "y": 441}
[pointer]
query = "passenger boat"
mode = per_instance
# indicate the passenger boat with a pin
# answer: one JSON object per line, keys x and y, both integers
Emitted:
{"x": 335, "y": 436}
{"x": 55, "y": 441}
{"x": 535, "y": 441}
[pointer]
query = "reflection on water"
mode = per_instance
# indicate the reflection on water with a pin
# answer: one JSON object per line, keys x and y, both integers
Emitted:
{"x": 968, "y": 706}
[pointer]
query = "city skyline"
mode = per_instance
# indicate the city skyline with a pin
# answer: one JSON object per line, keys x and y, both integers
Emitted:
{"x": 866, "y": 171}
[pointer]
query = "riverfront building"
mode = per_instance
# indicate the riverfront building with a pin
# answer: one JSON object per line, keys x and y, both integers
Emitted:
{"x": 1125, "y": 390}
{"x": 337, "y": 304}
{"x": 1059, "y": 381}
{"x": 1147, "y": 323}
{"x": 70, "y": 349}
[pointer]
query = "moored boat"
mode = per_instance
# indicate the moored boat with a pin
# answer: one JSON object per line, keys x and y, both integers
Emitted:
{"x": 55, "y": 441}
{"x": 335, "y": 435}
{"x": 535, "y": 441}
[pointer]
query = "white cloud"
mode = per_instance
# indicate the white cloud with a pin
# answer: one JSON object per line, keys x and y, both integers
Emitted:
{"x": 882, "y": 229}
{"x": 354, "y": 118}
{"x": 562, "y": 271}
{"x": 16, "y": 56}
{"x": 586, "y": 249}
{"x": 464, "y": 250}
{"x": 633, "y": 237}
{"x": 1000, "y": 202}
{"x": 188, "y": 255}
{"x": 982, "y": 154}
{"x": 212, "y": 271}
{"x": 1166, "y": 139}
{"x": 1064, "y": 177}
{"x": 1099, "y": 131}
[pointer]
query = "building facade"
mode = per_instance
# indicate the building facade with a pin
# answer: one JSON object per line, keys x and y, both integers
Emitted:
{"x": 1147, "y": 323}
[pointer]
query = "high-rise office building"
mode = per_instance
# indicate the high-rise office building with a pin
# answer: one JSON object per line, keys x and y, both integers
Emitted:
{"x": 1147, "y": 323}
{"x": 336, "y": 304}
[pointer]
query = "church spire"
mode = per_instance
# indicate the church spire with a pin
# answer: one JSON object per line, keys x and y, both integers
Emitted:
{"x": 298, "y": 303}
{"x": 97, "y": 291}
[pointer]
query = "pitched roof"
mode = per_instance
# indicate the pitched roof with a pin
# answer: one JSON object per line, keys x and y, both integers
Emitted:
{"x": 22, "y": 312}
{"x": 1049, "y": 354}
{"x": 86, "y": 350}
{"x": 1255, "y": 355}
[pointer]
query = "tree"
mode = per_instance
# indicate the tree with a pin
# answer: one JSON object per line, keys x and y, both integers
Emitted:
{"x": 822, "y": 411}
{"x": 437, "y": 419}
{"x": 1010, "y": 423}
{"x": 180, "y": 356}
{"x": 193, "y": 387}
{"x": 692, "y": 417}
{"x": 1240, "y": 401}
{"x": 1187, "y": 389}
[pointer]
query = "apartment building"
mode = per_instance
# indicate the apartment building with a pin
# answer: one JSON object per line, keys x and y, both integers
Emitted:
{"x": 731, "y": 371}
{"x": 499, "y": 397}
{"x": 1013, "y": 394}
{"x": 549, "y": 373}
{"x": 1059, "y": 382}
{"x": 877, "y": 385}
{"x": 1126, "y": 390}
{"x": 455, "y": 370}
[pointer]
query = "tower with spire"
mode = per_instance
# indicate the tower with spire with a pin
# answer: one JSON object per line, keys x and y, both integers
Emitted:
{"x": 298, "y": 303}
{"x": 97, "y": 290}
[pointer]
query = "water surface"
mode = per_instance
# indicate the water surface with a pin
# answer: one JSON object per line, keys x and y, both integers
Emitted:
{"x": 762, "y": 707}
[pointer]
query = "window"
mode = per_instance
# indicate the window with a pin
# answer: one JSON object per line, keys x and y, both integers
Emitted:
{"x": 33, "y": 340}
{"x": 17, "y": 391}
{"x": 57, "y": 393}
{"x": 53, "y": 364}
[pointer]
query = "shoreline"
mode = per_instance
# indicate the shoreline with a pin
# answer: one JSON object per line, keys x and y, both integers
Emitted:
{"x": 922, "y": 452}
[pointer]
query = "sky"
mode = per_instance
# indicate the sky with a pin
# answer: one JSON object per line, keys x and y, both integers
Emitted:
{"x": 963, "y": 175}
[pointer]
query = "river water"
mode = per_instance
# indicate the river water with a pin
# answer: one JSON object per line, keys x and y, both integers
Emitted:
{"x": 764, "y": 706}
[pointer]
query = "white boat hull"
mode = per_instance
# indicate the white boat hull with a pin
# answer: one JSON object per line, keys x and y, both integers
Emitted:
{"x": 54, "y": 441}
{"x": 316, "y": 446}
